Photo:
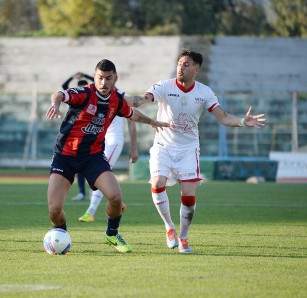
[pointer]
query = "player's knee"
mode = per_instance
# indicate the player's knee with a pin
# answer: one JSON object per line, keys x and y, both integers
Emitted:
{"x": 115, "y": 200}
{"x": 158, "y": 182}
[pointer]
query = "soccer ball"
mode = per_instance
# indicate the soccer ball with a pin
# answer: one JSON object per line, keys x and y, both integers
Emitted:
{"x": 57, "y": 242}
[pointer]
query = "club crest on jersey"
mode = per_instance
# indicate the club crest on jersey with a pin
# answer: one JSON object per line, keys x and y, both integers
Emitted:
{"x": 98, "y": 121}
{"x": 91, "y": 109}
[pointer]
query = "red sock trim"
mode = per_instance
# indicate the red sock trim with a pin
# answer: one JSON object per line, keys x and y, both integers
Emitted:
{"x": 157, "y": 189}
{"x": 188, "y": 200}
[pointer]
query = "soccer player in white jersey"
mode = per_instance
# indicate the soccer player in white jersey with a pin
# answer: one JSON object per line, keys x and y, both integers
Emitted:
{"x": 114, "y": 142}
{"x": 174, "y": 155}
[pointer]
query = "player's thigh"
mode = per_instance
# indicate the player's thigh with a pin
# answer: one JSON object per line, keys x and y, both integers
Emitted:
{"x": 57, "y": 190}
{"x": 159, "y": 162}
{"x": 108, "y": 185}
{"x": 187, "y": 167}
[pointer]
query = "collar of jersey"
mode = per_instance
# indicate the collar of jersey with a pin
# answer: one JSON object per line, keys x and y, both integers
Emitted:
{"x": 101, "y": 97}
{"x": 183, "y": 89}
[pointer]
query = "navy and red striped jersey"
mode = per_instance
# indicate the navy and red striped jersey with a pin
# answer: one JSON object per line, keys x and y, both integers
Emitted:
{"x": 89, "y": 115}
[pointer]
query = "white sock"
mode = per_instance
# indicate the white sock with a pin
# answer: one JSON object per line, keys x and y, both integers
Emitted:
{"x": 95, "y": 201}
{"x": 162, "y": 204}
{"x": 186, "y": 216}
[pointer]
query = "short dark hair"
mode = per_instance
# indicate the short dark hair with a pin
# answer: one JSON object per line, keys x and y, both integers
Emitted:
{"x": 196, "y": 57}
{"x": 82, "y": 83}
{"x": 106, "y": 65}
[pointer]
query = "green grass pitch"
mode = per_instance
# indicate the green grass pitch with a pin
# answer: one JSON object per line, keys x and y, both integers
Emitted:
{"x": 248, "y": 240}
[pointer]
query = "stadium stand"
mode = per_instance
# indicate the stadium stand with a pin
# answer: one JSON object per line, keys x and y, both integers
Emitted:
{"x": 261, "y": 72}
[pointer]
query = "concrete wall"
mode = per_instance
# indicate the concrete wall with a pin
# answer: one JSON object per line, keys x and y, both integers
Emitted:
{"x": 47, "y": 62}
{"x": 258, "y": 65}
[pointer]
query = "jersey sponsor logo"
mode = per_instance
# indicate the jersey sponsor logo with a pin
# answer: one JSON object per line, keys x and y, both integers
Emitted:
{"x": 173, "y": 94}
{"x": 199, "y": 100}
{"x": 92, "y": 129}
{"x": 74, "y": 90}
{"x": 91, "y": 109}
{"x": 103, "y": 102}
{"x": 156, "y": 86}
{"x": 182, "y": 124}
{"x": 111, "y": 114}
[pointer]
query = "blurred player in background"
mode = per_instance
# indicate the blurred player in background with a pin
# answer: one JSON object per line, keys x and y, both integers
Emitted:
{"x": 79, "y": 146}
{"x": 114, "y": 142}
{"x": 175, "y": 151}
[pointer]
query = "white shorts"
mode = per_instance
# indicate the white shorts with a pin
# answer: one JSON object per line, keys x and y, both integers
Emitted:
{"x": 180, "y": 165}
{"x": 112, "y": 152}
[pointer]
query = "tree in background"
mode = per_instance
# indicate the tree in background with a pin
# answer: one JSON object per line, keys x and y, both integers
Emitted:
{"x": 152, "y": 17}
{"x": 291, "y": 17}
{"x": 75, "y": 17}
{"x": 18, "y": 17}
{"x": 243, "y": 18}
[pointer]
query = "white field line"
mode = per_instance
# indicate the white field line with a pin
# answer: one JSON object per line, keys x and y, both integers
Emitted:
{"x": 23, "y": 288}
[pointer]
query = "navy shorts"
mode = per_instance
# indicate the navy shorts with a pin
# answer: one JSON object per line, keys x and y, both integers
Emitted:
{"x": 90, "y": 166}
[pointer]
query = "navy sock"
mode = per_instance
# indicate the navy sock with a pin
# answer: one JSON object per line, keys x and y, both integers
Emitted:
{"x": 63, "y": 226}
{"x": 113, "y": 224}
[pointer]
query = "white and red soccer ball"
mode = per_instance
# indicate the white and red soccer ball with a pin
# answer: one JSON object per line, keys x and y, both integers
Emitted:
{"x": 57, "y": 242}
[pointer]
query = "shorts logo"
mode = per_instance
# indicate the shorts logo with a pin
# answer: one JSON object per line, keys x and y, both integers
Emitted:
{"x": 91, "y": 109}
{"x": 57, "y": 170}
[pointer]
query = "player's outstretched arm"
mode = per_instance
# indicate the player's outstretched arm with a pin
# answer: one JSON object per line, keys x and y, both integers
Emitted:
{"x": 231, "y": 120}
{"x": 141, "y": 118}
{"x": 53, "y": 111}
{"x": 138, "y": 100}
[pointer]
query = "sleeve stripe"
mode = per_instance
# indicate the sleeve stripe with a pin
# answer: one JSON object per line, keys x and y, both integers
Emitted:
{"x": 213, "y": 107}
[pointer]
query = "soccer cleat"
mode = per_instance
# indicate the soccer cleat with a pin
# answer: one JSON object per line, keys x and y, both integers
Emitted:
{"x": 171, "y": 238}
{"x": 79, "y": 197}
{"x": 184, "y": 246}
{"x": 119, "y": 243}
{"x": 86, "y": 217}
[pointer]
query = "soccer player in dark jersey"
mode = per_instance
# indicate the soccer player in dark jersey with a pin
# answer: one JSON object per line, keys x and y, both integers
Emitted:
{"x": 79, "y": 146}
{"x": 83, "y": 79}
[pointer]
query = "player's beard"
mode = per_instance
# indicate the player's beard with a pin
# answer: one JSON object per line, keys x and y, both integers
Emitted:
{"x": 106, "y": 93}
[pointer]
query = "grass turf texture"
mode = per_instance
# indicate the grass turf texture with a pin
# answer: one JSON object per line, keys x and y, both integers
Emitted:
{"x": 247, "y": 240}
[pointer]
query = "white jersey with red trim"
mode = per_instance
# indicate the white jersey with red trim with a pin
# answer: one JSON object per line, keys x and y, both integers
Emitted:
{"x": 182, "y": 110}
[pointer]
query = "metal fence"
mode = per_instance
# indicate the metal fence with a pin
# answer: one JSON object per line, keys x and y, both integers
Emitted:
{"x": 27, "y": 136}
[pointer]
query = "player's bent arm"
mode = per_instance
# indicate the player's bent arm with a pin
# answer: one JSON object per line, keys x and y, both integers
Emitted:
{"x": 141, "y": 118}
{"x": 138, "y": 100}
{"x": 53, "y": 111}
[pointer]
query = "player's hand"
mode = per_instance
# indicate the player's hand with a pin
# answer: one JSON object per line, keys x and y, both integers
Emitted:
{"x": 159, "y": 125}
{"x": 78, "y": 75}
{"x": 53, "y": 112}
{"x": 254, "y": 121}
{"x": 133, "y": 156}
